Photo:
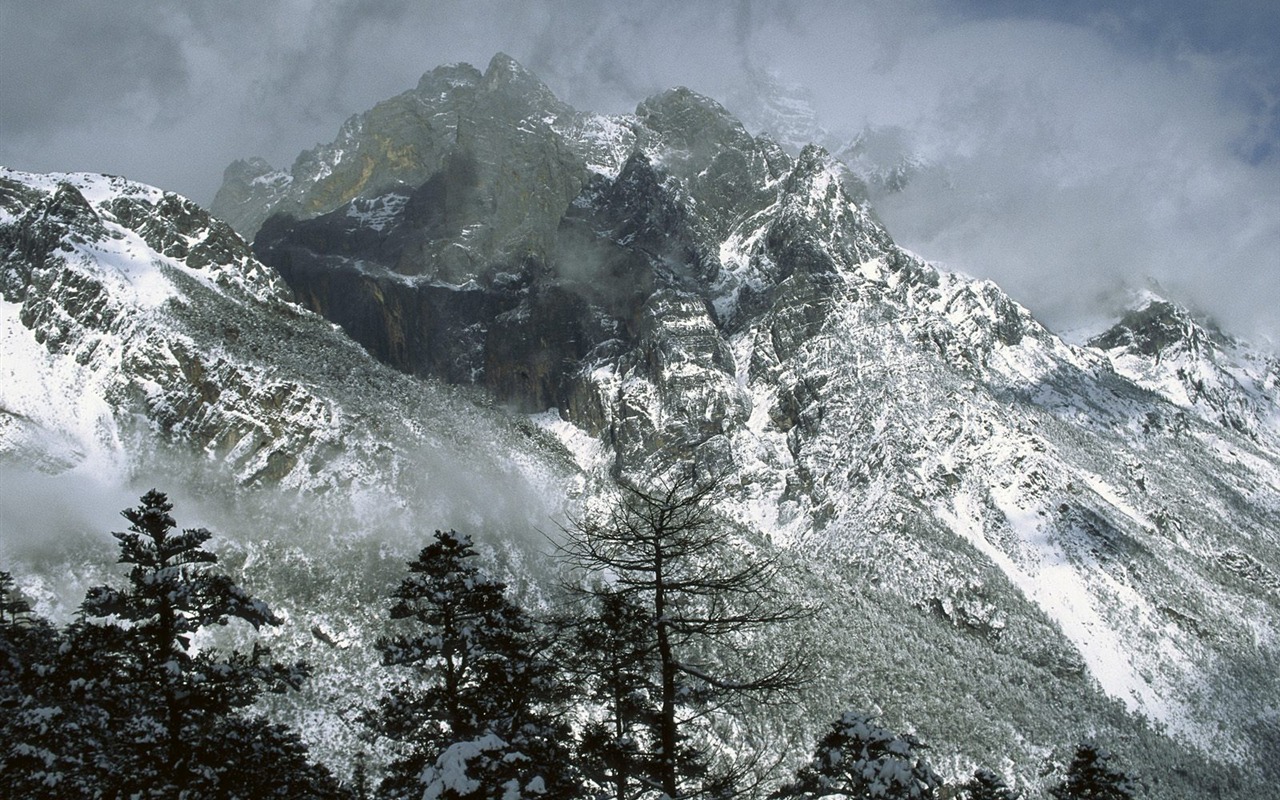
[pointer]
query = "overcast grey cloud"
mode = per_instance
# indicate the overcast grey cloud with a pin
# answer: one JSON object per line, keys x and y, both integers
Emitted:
{"x": 1069, "y": 148}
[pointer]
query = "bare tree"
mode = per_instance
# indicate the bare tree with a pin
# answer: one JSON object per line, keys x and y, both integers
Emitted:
{"x": 664, "y": 552}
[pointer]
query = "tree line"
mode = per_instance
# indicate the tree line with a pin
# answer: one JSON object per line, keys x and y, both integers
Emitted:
{"x": 611, "y": 697}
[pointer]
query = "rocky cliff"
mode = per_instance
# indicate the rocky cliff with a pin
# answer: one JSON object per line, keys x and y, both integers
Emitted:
{"x": 1017, "y": 541}
{"x": 684, "y": 291}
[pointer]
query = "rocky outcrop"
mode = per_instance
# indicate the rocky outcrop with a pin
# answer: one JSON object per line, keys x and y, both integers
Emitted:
{"x": 135, "y": 315}
{"x": 703, "y": 297}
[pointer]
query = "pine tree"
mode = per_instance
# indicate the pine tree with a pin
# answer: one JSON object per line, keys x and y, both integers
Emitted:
{"x": 859, "y": 759}
{"x": 33, "y": 754}
{"x": 613, "y": 657}
{"x": 254, "y": 758}
{"x": 360, "y": 777}
{"x": 987, "y": 785}
{"x": 174, "y": 710}
{"x": 477, "y": 720}
{"x": 663, "y": 551}
{"x": 62, "y": 706}
{"x": 12, "y": 607}
{"x": 1090, "y": 776}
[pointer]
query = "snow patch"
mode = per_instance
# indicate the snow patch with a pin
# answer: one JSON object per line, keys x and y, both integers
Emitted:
{"x": 1070, "y": 594}
{"x": 376, "y": 213}
{"x": 588, "y": 452}
{"x": 54, "y": 405}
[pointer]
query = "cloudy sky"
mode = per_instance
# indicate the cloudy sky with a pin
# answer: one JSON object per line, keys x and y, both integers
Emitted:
{"x": 1074, "y": 148}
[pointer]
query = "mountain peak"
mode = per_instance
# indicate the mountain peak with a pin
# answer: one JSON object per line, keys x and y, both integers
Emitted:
{"x": 448, "y": 77}
{"x": 504, "y": 65}
{"x": 686, "y": 117}
{"x": 1157, "y": 326}
{"x": 511, "y": 79}
{"x": 1167, "y": 349}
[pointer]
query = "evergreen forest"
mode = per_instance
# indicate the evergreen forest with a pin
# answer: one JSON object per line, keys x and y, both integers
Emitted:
{"x": 604, "y": 694}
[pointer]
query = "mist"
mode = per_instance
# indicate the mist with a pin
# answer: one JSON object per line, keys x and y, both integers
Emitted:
{"x": 1065, "y": 152}
{"x": 465, "y": 474}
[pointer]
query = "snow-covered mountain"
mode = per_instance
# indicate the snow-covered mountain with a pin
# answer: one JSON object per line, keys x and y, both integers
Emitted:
{"x": 1194, "y": 365}
{"x": 1017, "y": 541}
{"x": 131, "y": 316}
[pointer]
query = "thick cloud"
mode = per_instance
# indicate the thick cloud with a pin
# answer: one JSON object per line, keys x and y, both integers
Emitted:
{"x": 1068, "y": 149}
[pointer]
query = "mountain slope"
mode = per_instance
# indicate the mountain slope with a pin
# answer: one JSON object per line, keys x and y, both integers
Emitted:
{"x": 708, "y": 297}
{"x": 143, "y": 345}
{"x": 150, "y": 311}
{"x": 1017, "y": 542}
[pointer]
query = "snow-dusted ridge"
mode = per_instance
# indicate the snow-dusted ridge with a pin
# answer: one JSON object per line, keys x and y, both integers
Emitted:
{"x": 1020, "y": 541}
{"x": 124, "y": 303}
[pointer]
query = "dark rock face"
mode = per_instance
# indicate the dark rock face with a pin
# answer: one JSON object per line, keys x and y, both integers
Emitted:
{"x": 476, "y": 244}
{"x": 465, "y": 277}
{"x": 521, "y": 330}
{"x": 421, "y": 330}
{"x": 1151, "y": 330}
{"x": 623, "y": 239}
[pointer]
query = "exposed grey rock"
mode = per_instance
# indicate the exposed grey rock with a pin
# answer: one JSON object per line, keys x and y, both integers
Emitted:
{"x": 1194, "y": 365}
{"x": 1087, "y": 533}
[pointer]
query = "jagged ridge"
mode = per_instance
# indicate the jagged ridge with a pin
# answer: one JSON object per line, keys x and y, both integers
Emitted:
{"x": 734, "y": 305}
{"x": 958, "y": 480}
